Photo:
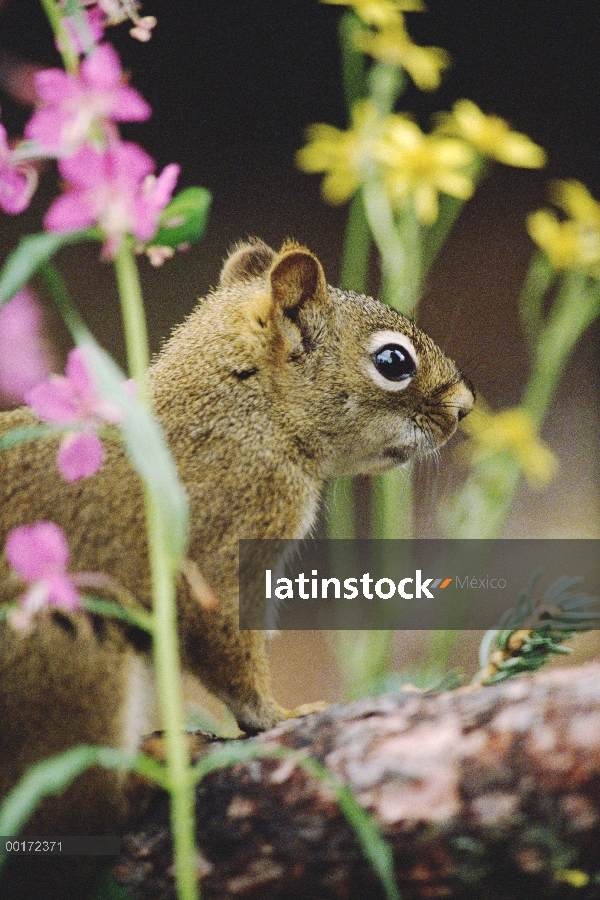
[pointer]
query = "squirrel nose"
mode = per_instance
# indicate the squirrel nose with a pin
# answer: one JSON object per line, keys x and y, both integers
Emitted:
{"x": 465, "y": 397}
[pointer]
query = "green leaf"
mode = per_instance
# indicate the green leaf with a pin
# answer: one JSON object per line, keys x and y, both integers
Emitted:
{"x": 139, "y": 618}
{"x": 30, "y": 253}
{"x": 55, "y": 774}
{"x": 25, "y": 434}
{"x": 184, "y": 220}
{"x": 51, "y": 776}
{"x": 146, "y": 447}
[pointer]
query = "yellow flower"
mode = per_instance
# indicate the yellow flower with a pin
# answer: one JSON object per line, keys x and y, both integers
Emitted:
{"x": 340, "y": 154}
{"x": 492, "y": 136}
{"x": 421, "y": 166}
{"x": 392, "y": 45}
{"x": 511, "y": 430}
{"x": 559, "y": 240}
{"x": 572, "y": 242}
{"x": 380, "y": 13}
{"x": 575, "y": 199}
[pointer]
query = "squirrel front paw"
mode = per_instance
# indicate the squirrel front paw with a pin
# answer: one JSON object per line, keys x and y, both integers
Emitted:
{"x": 306, "y": 709}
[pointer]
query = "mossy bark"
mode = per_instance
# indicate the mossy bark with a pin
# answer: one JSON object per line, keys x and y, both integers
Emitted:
{"x": 485, "y": 792}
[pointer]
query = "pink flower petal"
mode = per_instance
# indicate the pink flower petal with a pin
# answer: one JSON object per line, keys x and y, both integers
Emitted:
{"x": 16, "y": 190}
{"x": 62, "y": 592}
{"x": 85, "y": 169}
{"x": 38, "y": 550}
{"x": 55, "y": 86}
{"x": 69, "y": 212}
{"x": 47, "y": 128}
{"x": 131, "y": 163}
{"x": 25, "y": 359}
{"x": 54, "y": 401}
{"x": 102, "y": 68}
{"x": 96, "y": 22}
{"x": 80, "y": 455}
{"x": 165, "y": 185}
{"x": 146, "y": 221}
{"x": 78, "y": 374}
{"x": 129, "y": 106}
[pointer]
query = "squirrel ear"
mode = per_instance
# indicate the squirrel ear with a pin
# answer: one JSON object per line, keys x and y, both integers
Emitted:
{"x": 247, "y": 261}
{"x": 296, "y": 276}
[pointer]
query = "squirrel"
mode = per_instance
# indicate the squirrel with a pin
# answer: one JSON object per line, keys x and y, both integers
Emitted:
{"x": 273, "y": 385}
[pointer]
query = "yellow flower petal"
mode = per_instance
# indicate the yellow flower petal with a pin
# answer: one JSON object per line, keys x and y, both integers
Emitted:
{"x": 339, "y": 154}
{"x": 575, "y": 199}
{"x": 393, "y": 46}
{"x": 426, "y": 203}
{"x": 380, "y": 12}
{"x": 456, "y": 184}
{"x": 568, "y": 243}
{"x": 514, "y": 431}
{"x": 339, "y": 186}
{"x": 492, "y": 136}
{"x": 559, "y": 240}
{"x": 422, "y": 165}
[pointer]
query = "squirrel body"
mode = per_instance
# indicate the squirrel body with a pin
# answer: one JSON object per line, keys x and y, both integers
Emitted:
{"x": 273, "y": 385}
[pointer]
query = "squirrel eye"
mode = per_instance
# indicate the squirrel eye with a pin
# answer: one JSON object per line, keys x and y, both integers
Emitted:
{"x": 394, "y": 362}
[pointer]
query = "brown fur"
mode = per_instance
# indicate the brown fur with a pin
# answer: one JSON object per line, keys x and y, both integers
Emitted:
{"x": 264, "y": 395}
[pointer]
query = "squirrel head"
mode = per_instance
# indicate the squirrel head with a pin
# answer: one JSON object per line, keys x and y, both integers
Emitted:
{"x": 344, "y": 380}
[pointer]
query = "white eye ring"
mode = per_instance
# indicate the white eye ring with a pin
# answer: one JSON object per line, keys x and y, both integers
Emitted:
{"x": 376, "y": 343}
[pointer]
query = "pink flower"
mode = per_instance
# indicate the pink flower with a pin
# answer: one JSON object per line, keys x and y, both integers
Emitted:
{"x": 75, "y": 104}
{"x": 18, "y": 181}
{"x": 114, "y": 189}
{"x": 72, "y": 399}
{"x": 39, "y": 555}
{"x": 25, "y": 358}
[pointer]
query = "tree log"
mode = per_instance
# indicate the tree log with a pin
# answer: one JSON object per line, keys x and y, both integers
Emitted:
{"x": 486, "y": 792}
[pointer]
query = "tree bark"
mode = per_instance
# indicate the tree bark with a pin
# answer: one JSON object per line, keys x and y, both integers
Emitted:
{"x": 487, "y": 792}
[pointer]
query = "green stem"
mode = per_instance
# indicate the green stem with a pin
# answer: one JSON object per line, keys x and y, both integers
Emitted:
{"x": 353, "y": 61}
{"x": 575, "y": 308}
{"x": 357, "y": 248}
{"x": 364, "y": 658}
{"x": 483, "y": 505}
{"x": 380, "y": 217}
{"x": 393, "y": 505}
{"x": 340, "y": 505}
{"x": 134, "y": 320}
{"x": 408, "y": 230}
{"x": 168, "y": 680}
{"x": 386, "y": 83}
{"x": 538, "y": 280}
{"x": 166, "y": 650}
{"x": 57, "y": 287}
{"x": 440, "y": 647}
{"x": 450, "y": 209}
{"x": 63, "y": 42}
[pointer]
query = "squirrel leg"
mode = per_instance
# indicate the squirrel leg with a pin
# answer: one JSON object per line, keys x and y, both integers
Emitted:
{"x": 233, "y": 665}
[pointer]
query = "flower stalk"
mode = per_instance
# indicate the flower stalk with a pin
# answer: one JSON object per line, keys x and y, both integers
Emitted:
{"x": 162, "y": 569}
{"x": 63, "y": 43}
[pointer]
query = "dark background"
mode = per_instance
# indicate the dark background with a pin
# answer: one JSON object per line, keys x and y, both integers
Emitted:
{"x": 233, "y": 85}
